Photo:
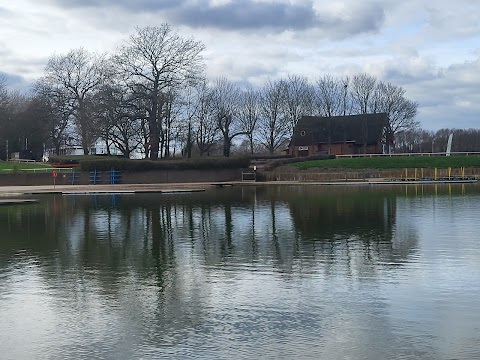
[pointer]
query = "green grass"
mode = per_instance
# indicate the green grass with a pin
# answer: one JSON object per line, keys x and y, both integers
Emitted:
{"x": 397, "y": 162}
{"x": 14, "y": 166}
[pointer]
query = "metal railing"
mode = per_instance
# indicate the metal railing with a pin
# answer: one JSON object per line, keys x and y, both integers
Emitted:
{"x": 459, "y": 153}
{"x": 39, "y": 170}
{"x": 22, "y": 160}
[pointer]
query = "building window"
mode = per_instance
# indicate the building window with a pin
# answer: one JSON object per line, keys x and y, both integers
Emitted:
{"x": 302, "y": 133}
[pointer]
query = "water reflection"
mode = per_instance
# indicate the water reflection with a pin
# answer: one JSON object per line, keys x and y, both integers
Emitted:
{"x": 287, "y": 271}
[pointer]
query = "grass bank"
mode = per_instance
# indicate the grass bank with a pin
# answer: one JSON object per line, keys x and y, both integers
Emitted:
{"x": 105, "y": 163}
{"x": 394, "y": 162}
{"x": 15, "y": 166}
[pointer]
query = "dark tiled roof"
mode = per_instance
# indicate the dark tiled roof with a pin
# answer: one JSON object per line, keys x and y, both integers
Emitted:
{"x": 339, "y": 129}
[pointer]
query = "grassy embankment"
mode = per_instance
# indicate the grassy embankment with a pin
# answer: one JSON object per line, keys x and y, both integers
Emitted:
{"x": 105, "y": 163}
{"x": 9, "y": 166}
{"x": 397, "y": 162}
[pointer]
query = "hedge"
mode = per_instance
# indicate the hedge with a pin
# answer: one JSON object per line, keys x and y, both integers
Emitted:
{"x": 89, "y": 163}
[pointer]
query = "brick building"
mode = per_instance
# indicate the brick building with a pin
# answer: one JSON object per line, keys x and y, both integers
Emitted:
{"x": 341, "y": 135}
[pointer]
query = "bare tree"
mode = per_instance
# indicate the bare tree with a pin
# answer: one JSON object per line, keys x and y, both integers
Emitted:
{"x": 192, "y": 104}
{"x": 105, "y": 109}
{"x": 172, "y": 115}
{"x": 274, "y": 125}
{"x": 184, "y": 130}
{"x": 249, "y": 114}
{"x": 226, "y": 106}
{"x": 330, "y": 96}
{"x": 3, "y": 92}
{"x": 22, "y": 124}
{"x": 56, "y": 114}
{"x": 118, "y": 118}
{"x": 390, "y": 99}
{"x": 17, "y": 126}
{"x": 203, "y": 127}
{"x": 299, "y": 98}
{"x": 466, "y": 140}
{"x": 4, "y": 118}
{"x": 126, "y": 134}
{"x": 78, "y": 74}
{"x": 145, "y": 147}
{"x": 362, "y": 89}
{"x": 346, "y": 98}
{"x": 154, "y": 60}
{"x": 9, "y": 131}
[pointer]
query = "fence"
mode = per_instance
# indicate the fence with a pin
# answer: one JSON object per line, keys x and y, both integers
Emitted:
{"x": 21, "y": 160}
{"x": 394, "y": 174}
{"x": 39, "y": 170}
{"x": 249, "y": 176}
{"x": 460, "y": 153}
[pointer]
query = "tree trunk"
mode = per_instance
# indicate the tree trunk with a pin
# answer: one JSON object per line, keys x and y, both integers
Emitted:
{"x": 271, "y": 145}
{"x": 226, "y": 146}
{"x": 189, "y": 141}
{"x": 154, "y": 141}
{"x": 107, "y": 145}
{"x": 83, "y": 126}
{"x": 154, "y": 135}
{"x": 57, "y": 149}
{"x": 85, "y": 144}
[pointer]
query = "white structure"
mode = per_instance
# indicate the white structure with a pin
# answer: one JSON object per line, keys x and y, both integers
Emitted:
{"x": 99, "y": 148}
{"x": 449, "y": 145}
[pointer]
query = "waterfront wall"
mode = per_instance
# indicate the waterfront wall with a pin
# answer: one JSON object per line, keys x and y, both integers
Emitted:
{"x": 392, "y": 174}
{"x": 225, "y": 175}
{"x": 145, "y": 177}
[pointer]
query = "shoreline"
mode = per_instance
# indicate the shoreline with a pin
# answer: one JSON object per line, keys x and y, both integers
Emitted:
{"x": 169, "y": 188}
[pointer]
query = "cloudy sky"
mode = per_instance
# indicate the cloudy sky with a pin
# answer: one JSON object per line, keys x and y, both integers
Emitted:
{"x": 431, "y": 48}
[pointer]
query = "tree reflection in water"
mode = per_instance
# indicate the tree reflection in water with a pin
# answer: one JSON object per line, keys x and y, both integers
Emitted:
{"x": 178, "y": 261}
{"x": 278, "y": 223}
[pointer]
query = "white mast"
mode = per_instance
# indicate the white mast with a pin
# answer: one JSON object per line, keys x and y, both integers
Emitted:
{"x": 449, "y": 145}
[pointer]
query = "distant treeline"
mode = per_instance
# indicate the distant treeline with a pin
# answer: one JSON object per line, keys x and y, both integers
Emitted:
{"x": 423, "y": 141}
{"x": 151, "y": 97}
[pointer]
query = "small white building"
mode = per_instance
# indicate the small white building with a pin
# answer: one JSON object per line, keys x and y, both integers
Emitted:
{"x": 99, "y": 148}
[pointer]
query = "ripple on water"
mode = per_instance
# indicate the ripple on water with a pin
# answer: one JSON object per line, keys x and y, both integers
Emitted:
{"x": 189, "y": 278}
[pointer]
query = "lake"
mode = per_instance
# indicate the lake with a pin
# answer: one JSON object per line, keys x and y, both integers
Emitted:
{"x": 254, "y": 272}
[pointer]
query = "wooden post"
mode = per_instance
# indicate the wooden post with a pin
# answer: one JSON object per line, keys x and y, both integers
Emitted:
{"x": 54, "y": 175}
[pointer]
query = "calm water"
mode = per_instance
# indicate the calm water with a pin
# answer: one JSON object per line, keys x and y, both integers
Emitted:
{"x": 294, "y": 272}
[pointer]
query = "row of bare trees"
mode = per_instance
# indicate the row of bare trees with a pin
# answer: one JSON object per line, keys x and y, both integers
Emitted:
{"x": 151, "y": 97}
{"x": 423, "y": 141}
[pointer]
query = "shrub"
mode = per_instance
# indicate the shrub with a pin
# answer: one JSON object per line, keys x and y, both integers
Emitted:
{"x": 200, "y": 163}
